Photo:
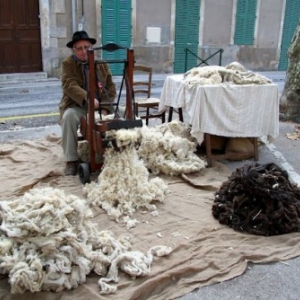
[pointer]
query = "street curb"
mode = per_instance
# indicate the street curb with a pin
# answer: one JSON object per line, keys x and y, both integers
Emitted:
{"x": 19, "y": 86}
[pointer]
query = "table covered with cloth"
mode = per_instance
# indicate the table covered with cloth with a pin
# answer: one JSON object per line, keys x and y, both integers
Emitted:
{"x": 225, "y": 109}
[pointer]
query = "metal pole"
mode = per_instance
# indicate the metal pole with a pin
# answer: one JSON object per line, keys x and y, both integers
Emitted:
{"x": 220, "y": 57}
{"x": 91, "y": 108}
{"x": 74, "y": 16}
{"x": 185, "y": 59}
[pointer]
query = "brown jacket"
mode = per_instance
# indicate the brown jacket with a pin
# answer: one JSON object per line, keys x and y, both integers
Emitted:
{"x": 73, "y": 83}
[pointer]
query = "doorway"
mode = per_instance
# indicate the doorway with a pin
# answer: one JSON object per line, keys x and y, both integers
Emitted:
{"x": 20, "y": 36}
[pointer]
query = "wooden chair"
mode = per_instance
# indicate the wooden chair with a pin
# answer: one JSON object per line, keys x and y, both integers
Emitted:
{"x": 142, "y": 94}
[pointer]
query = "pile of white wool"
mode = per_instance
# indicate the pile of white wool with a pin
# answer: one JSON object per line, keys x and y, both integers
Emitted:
{"x": 170, "y": 149}
{"x": 234, "y": 73}
{"x": 49, "y": 242}
{"x": 124, "y": 184}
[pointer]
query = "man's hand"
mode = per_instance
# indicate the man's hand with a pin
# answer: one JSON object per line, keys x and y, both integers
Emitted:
{"x": 96, "y": 103}
{"x": 100, "y": 86}
{"x": 104, "y": 112}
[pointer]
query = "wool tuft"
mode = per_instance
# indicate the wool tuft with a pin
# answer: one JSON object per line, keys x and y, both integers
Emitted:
{"x": 125, "y": 184}
{"x": 169, "y": 149}
{"x": 234, "y": 73}
{"x": 49, "y": 242}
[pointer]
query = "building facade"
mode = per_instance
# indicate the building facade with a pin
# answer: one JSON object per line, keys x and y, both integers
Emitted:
{"x": 169, "y": 35}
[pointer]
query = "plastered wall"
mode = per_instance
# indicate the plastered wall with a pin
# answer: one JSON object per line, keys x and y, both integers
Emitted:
{"x": 153, "y": 25}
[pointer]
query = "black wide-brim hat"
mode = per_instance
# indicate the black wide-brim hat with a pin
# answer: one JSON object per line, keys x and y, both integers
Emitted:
{"x": 80, "y": 36}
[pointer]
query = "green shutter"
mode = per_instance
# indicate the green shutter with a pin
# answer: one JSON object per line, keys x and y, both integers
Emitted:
{"x": 245, "y": 22}
{"x": 116, "y": 28}
{"x": 186, "y": 33}
{"x": 291, "y": 19}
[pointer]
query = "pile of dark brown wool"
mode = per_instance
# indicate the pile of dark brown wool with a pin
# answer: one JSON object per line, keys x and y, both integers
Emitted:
{"x": 259, "y": 199}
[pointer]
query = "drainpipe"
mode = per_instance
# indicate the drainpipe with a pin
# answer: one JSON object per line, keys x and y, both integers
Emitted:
{"x": 74, "y": 15}
{"x": 81, "y": 22}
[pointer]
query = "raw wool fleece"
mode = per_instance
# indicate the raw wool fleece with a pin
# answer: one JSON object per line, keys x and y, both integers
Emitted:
{"x": 259, "y": 199}
{"x": 169, "y": 149}
{"x": 234, "y": 73}
{"x": 124, "y": 185}
{"x": 48, "y": 242}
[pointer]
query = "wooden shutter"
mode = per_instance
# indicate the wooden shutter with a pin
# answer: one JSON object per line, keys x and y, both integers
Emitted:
{"x": 116, "y": 28}
{"x": 186, "y": 34}
{"x": 245, "y": 22}
{"x": 291, "y": 19}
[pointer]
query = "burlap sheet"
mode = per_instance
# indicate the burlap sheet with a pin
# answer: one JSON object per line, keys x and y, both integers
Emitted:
{"x": 205, "y": 252}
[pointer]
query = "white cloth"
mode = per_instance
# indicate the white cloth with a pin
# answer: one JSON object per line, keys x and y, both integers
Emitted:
{"x": 225, "y": 109}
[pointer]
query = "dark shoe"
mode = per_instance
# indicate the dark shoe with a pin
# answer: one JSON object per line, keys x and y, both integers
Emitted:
{"x": 71, "y": 168}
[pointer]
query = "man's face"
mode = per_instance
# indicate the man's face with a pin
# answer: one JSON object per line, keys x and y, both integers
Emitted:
{"x": 80, "y": 48}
